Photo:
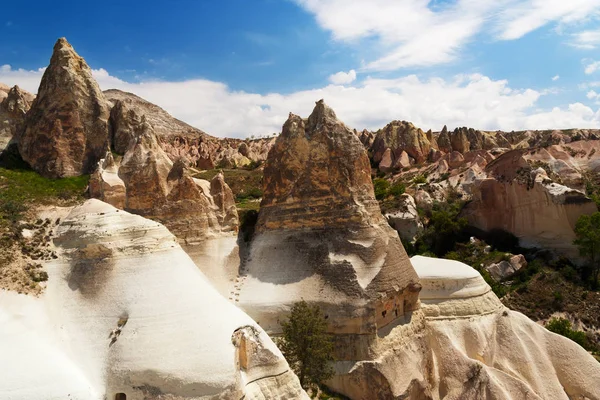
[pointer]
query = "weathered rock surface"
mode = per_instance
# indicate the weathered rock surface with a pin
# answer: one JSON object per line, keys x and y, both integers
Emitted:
{"x": 109, "y": 324}
{"x": 321, "y": 237}
{"x": 179, "y": 139}
{"x": 66, "y": 129}
{"x": 505, "y": 269}
{"x": 156, "y": 188}
{"x": 405, "y": 220}
{"x": 528, "y": 204}
{"x": 398, "y": 137}
{"x": 464, "y": 344}
{"x": 13, "y": 109}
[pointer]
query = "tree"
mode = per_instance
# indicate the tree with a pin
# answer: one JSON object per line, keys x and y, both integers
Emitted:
{"x": 306, "y": 345}
{"x": 587, "y": 232}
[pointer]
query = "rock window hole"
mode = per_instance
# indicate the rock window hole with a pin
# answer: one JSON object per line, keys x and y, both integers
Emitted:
{"x": 120, "y": 396}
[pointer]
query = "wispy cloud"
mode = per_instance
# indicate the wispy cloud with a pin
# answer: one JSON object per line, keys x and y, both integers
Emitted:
{"x": 555, "y": 78}
{"x": 591, "y": 66}
{"x": 588, "y": 40}
{"x": 419, "y": 33}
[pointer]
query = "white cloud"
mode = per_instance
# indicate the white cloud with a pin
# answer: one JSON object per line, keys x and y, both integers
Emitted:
{"x": 586, "y": 39}
{"x": 522, "y": 17}
{"x": 555, "y": 78}
{"x": 465, "y": 100}
{"x": 592, "y": 95}
{"x": 592, "y": 67}
{"x": 418, "y": 33}
{"x": 342, "y": 77}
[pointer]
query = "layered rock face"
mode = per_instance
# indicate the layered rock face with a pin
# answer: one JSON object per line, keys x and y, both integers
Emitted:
{"x": 66, "y": 130}
{"x": 464, "y": 344}
{"x": 13, "y": 109}
{"x": 179, "y": 139}
{"x": 147, "y": 183}
{"x": 405, "y": 220}
{"x": 525, "y": 202}
{"x": 320, "y": 237}
{"x": 101, "y": 329}
{"x": 399, "y": 143}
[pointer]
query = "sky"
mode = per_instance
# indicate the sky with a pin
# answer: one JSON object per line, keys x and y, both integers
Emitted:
{"x": 236, "y": 68}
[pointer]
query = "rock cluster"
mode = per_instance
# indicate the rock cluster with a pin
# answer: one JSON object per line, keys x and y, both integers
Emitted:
{"x": 179, "y": 139}
{"x": 399, "y": 145}
{"x": 147, "y": 183}
{"x": 66, "y": 130}
{"x": 321, "y": 237}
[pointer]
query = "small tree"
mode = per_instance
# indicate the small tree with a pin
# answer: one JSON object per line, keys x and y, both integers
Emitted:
{"x": 587, "y": 231}
{"x": 306, "y": 345}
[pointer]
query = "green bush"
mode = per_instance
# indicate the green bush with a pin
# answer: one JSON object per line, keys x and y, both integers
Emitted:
{"x": 419, "y": 179}
{"x": 563, "y": 327}
{"x": 381, "y": 187}
{"x": 397, "y": 189}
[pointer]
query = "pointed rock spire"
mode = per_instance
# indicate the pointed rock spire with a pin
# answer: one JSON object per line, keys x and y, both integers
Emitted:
{"x": 66, "y": 131}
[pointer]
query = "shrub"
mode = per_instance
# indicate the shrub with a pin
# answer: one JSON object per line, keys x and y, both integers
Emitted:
{"x": 563, "y": 327}
{"x": 397, "y": 189}
{"x": 419, "y": 179}
{"x": 306, "y": 345}
{"x": 381, "y": 187}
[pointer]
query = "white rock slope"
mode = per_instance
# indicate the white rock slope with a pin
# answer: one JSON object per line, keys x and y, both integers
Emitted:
{"x": 127, "y": 311}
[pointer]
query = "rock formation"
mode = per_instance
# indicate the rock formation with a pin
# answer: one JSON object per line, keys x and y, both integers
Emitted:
{"x": 405, "y": 219}
{"x": 321, "y": 237}
{"x": 507, "y": 268}
{"x": 525, "y": 202}
{"x": 109, "y": 324}
{"x": 179, "y": 139}
{"x": 13, "y": 109}
{"x": 398, "y": 137}
{"x": 66, "y": 129}
{"x": 147, "y": 183}
{"x": 464, "y": 344}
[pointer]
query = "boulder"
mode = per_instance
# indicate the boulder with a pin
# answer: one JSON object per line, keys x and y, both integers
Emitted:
{"x": 66, "y": 130}
{"x": 423, "y": 200}
{"x": 506, "y": 269}
{"x": 405, "y": 220}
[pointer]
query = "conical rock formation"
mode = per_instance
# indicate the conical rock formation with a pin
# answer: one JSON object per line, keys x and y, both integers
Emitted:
{"x": 13, "y": 109}
{"x": 321, "y": 237}
{"x": 66, "y": 130}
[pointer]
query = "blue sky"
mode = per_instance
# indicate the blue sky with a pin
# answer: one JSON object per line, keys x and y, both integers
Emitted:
{"x": 237, "y": 67}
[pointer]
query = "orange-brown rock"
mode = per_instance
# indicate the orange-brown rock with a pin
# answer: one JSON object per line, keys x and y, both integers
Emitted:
{"x": 13, "y": 109}
{"x": 157, "y": 188}
{"x": 321, "y": 237}
{"x": 526, "y": 203}
{"x": 66, "y": 129}
{"x": 399, "y": 136}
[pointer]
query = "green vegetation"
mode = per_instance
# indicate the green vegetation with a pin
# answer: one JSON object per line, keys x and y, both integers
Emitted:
{"x": 587, "y": 232}
{"x": 19, "y": 189}
{"x": 381, "y": 187}
{"x": 419, "y": 179}
{"x": 563, "y": 327}
{"x": 306, "y": 345}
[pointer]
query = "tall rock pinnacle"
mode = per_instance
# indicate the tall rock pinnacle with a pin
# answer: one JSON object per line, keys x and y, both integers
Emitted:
{"x": 321, "y": 236}
{"x": 66, "y": 131}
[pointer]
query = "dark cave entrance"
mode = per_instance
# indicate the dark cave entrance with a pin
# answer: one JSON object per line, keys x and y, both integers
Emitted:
{"x": 120, "y": 396}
